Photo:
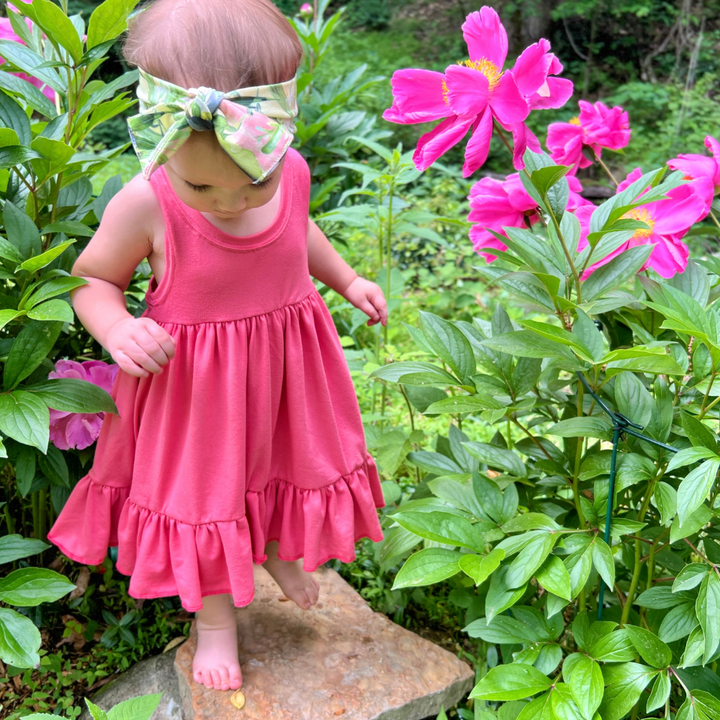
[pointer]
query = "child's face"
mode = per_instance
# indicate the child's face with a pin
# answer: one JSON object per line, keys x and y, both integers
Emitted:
{"x": 205, "y": 178}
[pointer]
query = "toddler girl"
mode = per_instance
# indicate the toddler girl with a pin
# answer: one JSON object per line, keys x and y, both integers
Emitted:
{"x": 239, "y": 438}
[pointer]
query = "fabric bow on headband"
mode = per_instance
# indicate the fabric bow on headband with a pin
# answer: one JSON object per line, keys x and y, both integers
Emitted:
{"x": 254, "y": 125}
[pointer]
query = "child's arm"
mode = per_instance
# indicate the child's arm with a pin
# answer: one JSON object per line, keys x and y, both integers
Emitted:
{"x": 329, "y": 268}
{"x": 124, "y": 238}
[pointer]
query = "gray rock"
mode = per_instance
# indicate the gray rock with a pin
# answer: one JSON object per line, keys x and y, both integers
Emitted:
{"x": 337, "y": 660}
{"x": 152, "y": 675}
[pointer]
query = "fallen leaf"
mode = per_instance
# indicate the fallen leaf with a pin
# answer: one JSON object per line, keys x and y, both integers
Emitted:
{"x": 238, "y": 699}
{"x": 81, "y": 583}
{"x": 174, "y": 643}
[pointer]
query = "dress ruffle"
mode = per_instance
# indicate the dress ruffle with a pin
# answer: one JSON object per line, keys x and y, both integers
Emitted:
{"x": 88, "y": 524}
{"x": 317, "y": 524}
{"x": 166, "y": 557}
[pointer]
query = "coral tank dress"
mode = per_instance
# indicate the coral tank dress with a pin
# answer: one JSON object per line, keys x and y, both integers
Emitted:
{"x": 252, "y": 431}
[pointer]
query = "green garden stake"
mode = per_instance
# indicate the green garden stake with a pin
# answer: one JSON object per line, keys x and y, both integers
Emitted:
{"x": 620, "y": 425}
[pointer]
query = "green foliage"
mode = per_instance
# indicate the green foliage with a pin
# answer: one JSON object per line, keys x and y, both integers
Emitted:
{"x": 47, "y": 208}
{"x": 523, "y": 516}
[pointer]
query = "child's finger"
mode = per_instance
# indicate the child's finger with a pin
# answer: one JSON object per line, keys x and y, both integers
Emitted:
{"x": 163, "y": 337}
{"x": 380, "y": 304}
{"x": 369, "y": 309}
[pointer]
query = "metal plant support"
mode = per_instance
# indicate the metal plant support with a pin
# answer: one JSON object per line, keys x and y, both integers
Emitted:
{"x": 620, "y": 425}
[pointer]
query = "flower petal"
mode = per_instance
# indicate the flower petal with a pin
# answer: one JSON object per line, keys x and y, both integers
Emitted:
{"x": 468, "y": 90}
{"x": 531, "y": 68}
{"x": 560, "y": 91}
{"x": 486, "y": 37}
{"x": 507, "y": 103}
{"x": 439, "y": 140}
{"x": 476, "y": 151}
{"x": 418, "y": 96}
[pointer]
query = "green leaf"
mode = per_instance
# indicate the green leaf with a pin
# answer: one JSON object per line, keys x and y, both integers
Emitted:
{"x": 14, "y": 547}
{"x": 108, "y": 21}
{"x": 13, "y": 117}
{"x": 632, "y": 399}
{"x": 695, "y": 487}
{"x": 19, "y": 639}
{"x": 40, "y": 261}
{"x": 52, "y": 311}
{"x": 442, "y": 527}
{"x": 666, "y": 501}
{"x": 499, "y": 597}
{"x": 58, "y": 27}
{"x": 69, "y": 227}
{"x": 465, "y": 404}
{"x": 618, "y": 271}
{"x": 659, "y": 693}
{"x": 434, "y": 462}
{"x": 698, "y": 434}
{"x": 503, "y": 629}
{"x": 651, "y": 649}
{"x": 426, "y": 567}
{"x": 30, "y": 63}
{"x": 678, "y": 623}
{"x": 96, "y": 712}
{"x": 21, "y": 231}
{"x": 659, "y": 598}
{"x": 29, "y": 349}
{"x": 25, "y": 418}
{"x": 73, "y": 395}
{"x": 587, "y": 686}
{"x": 690, "y": 576}
{"x": 480, "y": 567}
{"x": 31, "y": 586}
{"x": 708, "y": 704}
{"x": 692, "y": 524}
{"x": 554, "y": 577}
{"x": 593, "y": 426}
{"x": 603, "y": 561}
{"x": 707, "y": 608}
{"x": 510, "y": 682}
{"x": 530, "y": 521}
{"x": 529, "y": 560}
{"x": 449, "y": 344}
{"x": 525, "y": 343}
{"x": 496, "y": 457}
{"x": 689, "y": 456}
{"x": 625, "y": 685}
{"x": 615, "y": 647}
{"x": 400, "y": 371}
{"x": 29, "y": 93}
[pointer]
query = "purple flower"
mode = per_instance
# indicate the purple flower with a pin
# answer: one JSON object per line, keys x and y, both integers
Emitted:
{"x": 79, "y": 430}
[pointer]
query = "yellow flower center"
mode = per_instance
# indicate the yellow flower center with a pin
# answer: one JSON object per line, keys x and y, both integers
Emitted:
{"x": 644, "y": 216}
{"x": 489, "y": 69}
{"x": 445, "y": 92}
{"x": 574, "y": 121}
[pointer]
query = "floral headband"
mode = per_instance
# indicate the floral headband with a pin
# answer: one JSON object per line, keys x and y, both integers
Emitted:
{"x": 254, "y": 125}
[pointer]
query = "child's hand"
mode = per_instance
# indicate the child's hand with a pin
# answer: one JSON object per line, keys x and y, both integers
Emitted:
{"x": 368, "y": 297}
{"x": 139, "y": 346}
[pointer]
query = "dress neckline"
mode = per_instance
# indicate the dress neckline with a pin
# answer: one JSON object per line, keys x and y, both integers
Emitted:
{"x": 237, "y": 242}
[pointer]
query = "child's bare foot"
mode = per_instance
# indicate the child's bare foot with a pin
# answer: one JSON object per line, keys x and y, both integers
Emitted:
{"x": 298, "y": 585}
{"x": 215, "y": 664}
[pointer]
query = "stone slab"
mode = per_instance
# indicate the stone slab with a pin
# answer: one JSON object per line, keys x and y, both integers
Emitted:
{"x": 152, "y": 675}
{"x": 340, "y": 659}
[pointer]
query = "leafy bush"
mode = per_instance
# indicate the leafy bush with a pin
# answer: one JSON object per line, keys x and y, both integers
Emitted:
{"x": 48, "y": 208}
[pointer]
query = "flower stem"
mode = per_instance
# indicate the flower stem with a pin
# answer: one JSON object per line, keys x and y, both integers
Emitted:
{"x": 604, "y": 166}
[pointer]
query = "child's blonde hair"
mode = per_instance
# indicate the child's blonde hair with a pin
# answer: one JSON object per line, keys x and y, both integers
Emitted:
{"x": 222, "y": 44}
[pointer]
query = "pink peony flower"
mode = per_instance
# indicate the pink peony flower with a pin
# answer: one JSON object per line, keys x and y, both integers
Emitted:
{"x": 470, "y": 94}
{"x": 79, "y": 430}
{"x": 497, "y": 204}
{"x": 7, "y": 33}
{"x": 668, "y": 221}
{"x": 596, "y": 127}
{"x": 306, "y": 9}
{"x": 533, "y": 71}
{"x": 696, "y": 167}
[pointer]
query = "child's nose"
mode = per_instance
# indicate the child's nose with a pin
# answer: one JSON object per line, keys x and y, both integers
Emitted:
{"x": 233, "y": 205}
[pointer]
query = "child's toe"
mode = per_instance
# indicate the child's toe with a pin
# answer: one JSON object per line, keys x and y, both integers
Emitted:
{"x": 224, "y": 678}
{"x": 235, "y": 677}
{"x": 216, "y": 680}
